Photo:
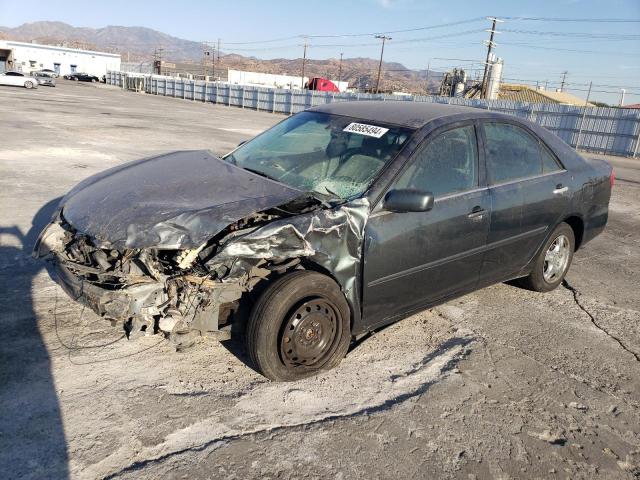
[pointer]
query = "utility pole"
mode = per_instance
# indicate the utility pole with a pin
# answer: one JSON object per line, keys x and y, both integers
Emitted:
{"x": 490, "y": 46}
{"x": 427, "y": 79}
{"x": 218, "y": 57}
{"x": 564, "y": 77}
{"x": 622, "y": 93}
{"x": 160, "y": 60}
{"x": 205, "y": 52}
{"x": 584, "y": 113}
{"x": 213, "y": 62}
{"x": 304, "y": 61}
{"x": 384, "y": 38}
{"x": 340, "y": 69}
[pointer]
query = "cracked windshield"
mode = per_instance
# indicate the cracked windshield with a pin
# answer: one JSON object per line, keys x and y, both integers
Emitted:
{"x": 329, "y": 154}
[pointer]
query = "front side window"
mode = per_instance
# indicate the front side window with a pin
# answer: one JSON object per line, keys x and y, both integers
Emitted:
{"x": 329, "y": 154}
{"x": 445, "y": 165}
{"x": 512, "y": 153}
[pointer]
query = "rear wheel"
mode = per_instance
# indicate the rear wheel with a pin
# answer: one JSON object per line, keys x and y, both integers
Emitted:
{"x": 552, "y": 262}
{"x": 299, "y": 326}
{"x": 28, "y": 84}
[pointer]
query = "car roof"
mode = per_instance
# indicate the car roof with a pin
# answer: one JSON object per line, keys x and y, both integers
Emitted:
{"x": 405, "y": 113}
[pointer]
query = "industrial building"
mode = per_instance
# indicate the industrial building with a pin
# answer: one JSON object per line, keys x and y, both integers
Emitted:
{"x": 27, "y": 57}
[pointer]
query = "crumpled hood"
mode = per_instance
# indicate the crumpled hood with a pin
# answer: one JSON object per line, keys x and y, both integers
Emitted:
{"x": 177, "y": 200}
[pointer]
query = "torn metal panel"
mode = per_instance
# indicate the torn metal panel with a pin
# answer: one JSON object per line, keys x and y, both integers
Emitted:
{"x": 331, "y": 238}
{"x": 174, "y": 201}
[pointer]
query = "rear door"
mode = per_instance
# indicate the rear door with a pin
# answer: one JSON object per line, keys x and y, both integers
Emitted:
{"x": 415, "y": 258}
{"x": 529, "y": 194}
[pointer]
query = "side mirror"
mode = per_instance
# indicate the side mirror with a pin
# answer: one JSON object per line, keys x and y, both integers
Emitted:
{"x": 408, "y": 200}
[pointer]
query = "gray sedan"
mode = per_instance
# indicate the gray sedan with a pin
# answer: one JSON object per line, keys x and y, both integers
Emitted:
{"x": 333, "y": 223}
{"x": 45, "y": 80}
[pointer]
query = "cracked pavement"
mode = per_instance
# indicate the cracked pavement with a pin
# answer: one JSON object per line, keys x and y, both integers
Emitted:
{"x": 501, "y": 383}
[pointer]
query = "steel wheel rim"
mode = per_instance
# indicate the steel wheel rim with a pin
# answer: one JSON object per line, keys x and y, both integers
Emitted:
{"x": 556, "y": 259}
{"x": 310, "y": 333}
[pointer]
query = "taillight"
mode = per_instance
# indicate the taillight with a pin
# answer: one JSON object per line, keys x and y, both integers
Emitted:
{"x": 612, "y": 177}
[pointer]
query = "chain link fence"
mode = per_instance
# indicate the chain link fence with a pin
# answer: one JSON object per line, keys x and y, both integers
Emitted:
{"x": 604, "y": 130}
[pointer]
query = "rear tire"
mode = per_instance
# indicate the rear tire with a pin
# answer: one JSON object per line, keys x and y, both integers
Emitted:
{"x": 28, "y": 84}
{"x": 299, "y": 326}
{"x": 553, "y": 261}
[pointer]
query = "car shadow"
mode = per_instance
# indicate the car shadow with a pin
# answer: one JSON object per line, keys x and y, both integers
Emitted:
{"x": 32, "y": 439}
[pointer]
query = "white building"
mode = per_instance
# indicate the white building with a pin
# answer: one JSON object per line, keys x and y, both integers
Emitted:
{"x": 28, "y": 57}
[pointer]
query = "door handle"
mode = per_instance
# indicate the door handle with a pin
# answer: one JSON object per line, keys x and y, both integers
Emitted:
{"x": 477, "y": 212}
{"x": 559, "y": 190}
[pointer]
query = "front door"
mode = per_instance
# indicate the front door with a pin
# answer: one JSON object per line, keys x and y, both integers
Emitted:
{"x": 528, "y": 198}
{"x": 412, "y": 259}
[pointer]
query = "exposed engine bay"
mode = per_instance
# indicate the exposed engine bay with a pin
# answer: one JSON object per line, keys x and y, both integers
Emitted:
{"x": 184, "y": 292}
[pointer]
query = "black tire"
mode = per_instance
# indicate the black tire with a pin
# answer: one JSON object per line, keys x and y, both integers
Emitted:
{"x": 536, "y": 280}
{"x": 299, "y": 326}
{"x": 28, "y": 84}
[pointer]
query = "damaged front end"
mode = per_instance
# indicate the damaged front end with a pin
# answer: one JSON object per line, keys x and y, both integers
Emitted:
{"x": 181, "y": 292}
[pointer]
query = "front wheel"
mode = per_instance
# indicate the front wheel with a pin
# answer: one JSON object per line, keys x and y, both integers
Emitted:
{"x": 299, "y": 326}
{"x": 553, "y": 261}
{"x": 28, "y": 84}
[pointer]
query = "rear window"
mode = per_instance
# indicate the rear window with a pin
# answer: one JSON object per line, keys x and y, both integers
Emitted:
{"x": 513, "y": 153}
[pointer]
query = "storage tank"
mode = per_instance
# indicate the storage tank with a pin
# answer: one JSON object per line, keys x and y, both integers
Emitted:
{"x": 495, "y": 75}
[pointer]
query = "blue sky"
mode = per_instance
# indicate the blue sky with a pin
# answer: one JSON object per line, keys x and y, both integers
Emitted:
{"x": 592, "y": 52}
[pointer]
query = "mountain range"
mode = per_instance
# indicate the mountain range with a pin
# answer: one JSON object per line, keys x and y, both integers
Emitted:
{"x": 138, "y": 44}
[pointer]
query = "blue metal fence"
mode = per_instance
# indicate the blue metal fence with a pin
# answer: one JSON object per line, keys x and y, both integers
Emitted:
{"x": 610, "y": 131}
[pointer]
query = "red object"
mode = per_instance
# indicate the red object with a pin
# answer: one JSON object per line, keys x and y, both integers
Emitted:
{"x": 322, "y": 85}
{"x": 612, "y": 177}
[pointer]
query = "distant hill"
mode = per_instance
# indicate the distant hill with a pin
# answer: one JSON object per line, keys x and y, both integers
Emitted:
{"x": 139, "y": 41}
{"x": 137, "y": 44}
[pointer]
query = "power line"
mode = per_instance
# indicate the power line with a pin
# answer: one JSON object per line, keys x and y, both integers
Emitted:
{"x": 540, "y": 47}
{"x": 617, "y": 36}
{"x": 430, "y": 27}
{"x": 578, "y": 20}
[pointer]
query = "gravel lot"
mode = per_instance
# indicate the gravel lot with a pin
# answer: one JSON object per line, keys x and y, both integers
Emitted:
{"x": 502, "y": 383}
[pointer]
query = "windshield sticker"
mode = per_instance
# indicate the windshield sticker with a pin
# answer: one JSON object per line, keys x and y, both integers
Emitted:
{"x": 364, "y": 129}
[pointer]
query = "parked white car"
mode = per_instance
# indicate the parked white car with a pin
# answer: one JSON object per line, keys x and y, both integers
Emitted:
{"x": 17, "y": 79}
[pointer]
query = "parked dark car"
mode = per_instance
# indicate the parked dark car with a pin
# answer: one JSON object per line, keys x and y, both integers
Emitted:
{"x": 333, "y": 223}
{"x": 82, "y": 77}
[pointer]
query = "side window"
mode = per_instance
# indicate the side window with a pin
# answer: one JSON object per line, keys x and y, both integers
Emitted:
{"x": 512, "y": 153}
{"x": 549, "y": 162}
{"x": 446, "y": 164}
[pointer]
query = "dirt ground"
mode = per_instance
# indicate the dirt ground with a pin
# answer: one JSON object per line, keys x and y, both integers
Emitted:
{"x": 503, "y": 383}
